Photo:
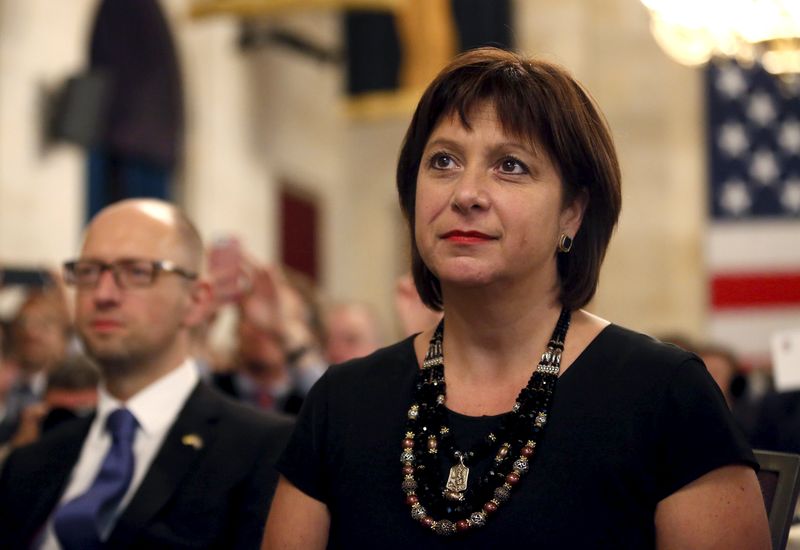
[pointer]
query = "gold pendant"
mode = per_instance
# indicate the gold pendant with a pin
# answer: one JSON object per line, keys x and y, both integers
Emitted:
{"x": 457, "y": 480}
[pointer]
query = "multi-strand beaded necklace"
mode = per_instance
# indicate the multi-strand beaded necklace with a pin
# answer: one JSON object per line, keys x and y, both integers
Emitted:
{"x": 461, "y": 503}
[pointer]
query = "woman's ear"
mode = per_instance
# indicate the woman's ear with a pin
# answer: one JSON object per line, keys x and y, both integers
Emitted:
{"x": 572, "y": 215}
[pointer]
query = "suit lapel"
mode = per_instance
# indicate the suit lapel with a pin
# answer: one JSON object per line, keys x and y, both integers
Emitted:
{"x": 186, "y": 442}
{"x": 57, "y": 460}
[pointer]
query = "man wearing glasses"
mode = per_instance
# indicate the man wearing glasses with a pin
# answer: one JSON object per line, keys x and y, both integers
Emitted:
{"x": 165, "y": 461}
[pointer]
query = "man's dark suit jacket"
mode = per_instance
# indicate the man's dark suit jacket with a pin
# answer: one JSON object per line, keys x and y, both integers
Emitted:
{"x": 209, "y": 486}
{"x": 777, "y": 425}
{"x": 227, "y": 383}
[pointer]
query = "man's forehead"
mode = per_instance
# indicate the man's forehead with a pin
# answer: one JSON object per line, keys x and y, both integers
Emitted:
{"x": 131, "y": 233}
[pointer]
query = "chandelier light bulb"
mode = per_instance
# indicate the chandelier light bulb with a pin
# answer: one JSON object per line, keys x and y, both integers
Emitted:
{"x": 694, "y": 31}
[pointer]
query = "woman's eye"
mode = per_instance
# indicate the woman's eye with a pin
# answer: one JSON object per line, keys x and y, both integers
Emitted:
{"x": 513, "y": 166}
{"x": 441, "y": 161}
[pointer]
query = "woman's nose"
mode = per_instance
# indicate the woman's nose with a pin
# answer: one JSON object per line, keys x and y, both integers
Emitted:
{"x": 470, "y": 193}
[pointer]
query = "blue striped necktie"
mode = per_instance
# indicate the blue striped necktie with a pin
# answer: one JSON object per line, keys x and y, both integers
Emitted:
{"x": 78, "y": 524}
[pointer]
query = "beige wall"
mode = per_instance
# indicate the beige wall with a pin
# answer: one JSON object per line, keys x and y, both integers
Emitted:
{"x": 226, "y": 184}
{"x": 41, "y": 187}
{"x": 266, "y": 116}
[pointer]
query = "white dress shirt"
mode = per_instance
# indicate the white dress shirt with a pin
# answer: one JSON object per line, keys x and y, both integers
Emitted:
{"x": 155, "y": 407}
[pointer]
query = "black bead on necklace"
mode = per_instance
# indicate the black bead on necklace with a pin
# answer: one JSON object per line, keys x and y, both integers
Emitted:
{"x": 461, "y": 502}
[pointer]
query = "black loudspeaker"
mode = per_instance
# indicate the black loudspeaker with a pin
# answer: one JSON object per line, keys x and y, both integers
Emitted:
{"x": 78, "y": 111}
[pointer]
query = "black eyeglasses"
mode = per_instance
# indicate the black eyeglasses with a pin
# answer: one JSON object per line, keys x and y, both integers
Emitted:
{"x": 127, "y": 273}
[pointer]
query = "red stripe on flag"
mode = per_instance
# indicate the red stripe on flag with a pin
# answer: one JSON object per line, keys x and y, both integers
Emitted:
{"x": 755, "y": 290}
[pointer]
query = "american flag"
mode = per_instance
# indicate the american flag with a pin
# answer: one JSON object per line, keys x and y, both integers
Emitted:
{"x": 753, "y": 248}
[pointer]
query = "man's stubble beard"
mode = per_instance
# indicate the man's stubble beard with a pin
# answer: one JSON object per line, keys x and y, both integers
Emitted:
{"x": 112, "y": 363}
{"x": 129, "y": 355}
{"x": 117, "y": 358}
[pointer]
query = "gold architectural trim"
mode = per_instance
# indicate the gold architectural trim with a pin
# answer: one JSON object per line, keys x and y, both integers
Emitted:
{"x": 256, "y": 8}
{"x": 380, "y": 105}
{"x": 428, "y": 39}
{"x": 426, "y": 32}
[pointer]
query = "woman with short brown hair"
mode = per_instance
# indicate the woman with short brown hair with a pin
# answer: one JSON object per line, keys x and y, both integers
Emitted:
{"x": 520, "y": 418}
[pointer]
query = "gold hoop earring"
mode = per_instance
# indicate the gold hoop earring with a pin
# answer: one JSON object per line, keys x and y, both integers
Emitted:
{"x": 564, "y": 243}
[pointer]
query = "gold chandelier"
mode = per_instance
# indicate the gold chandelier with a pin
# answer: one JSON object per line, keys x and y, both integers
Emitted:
{"x": 765, "y": 31}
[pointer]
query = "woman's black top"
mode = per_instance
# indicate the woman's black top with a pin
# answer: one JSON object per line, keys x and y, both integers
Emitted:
{"x": 633, "y": 420}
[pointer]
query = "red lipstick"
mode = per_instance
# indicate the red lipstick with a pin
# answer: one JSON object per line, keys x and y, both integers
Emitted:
{"x": 467, "y": 237}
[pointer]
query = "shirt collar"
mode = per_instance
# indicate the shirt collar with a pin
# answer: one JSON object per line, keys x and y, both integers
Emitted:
{"x": 156, "y": 406}
{"x": 34, "y": 384}
{"x": 38, "y": 383}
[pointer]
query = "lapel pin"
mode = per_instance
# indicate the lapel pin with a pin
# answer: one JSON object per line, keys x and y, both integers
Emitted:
{"x": 192, "y": 440}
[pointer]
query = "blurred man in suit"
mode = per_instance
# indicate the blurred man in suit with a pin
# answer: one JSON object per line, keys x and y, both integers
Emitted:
{"x": 40, "y": 334}
{"x": 352, "y": 329}
{"x": 166, "y": 462}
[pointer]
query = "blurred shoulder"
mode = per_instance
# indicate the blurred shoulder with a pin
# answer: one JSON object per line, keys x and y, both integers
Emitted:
{"x": 62, "y": 442}
{"x": 236, "y": 411}
{"x": 640, "y": 343}
{"x": 386, "y": 364}
{"x": 626, "y": 348}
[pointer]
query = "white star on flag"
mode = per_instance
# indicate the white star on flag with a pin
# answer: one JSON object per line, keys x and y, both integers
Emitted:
{"x": 735, "y": 197}
{"x": 733, "y": 139}
{"x": 789, "y": 137}
{"x": 790, "y": 198}
{"x": 764, "y": 167}
{"x": 731, "y": 82}
{"x": 761, "y": 110}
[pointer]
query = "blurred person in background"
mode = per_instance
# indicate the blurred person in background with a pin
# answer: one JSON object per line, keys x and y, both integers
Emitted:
{"x": 8, "y": 372}
{"x": 777, "y": 417}
{"x": 278, "y": 354}
{"x": 166, "y": 461}
{"x": 724, "y": 367}
{"x": 352, "y": 329}
{"x": 71, "y": 393}
{"x": 727, "y": 371}
{"x": 40, "y": 335}
{"x": 411, "y": 311}
{"x": 777, "y": 422}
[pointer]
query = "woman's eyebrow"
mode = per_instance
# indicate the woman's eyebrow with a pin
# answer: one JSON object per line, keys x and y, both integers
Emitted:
{"x": 514, "y": 144}
{"x": 442, "y": 142}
